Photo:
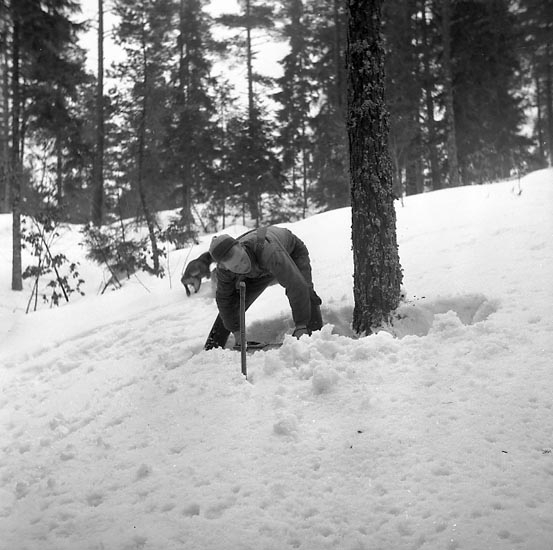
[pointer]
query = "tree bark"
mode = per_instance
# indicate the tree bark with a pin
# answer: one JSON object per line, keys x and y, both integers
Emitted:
{"x": 254, "y": 199}
{"x": 549, "y": 104}
{"x": 184, "y": 83}
{"x": 377, "y": 271}
{"x": 5, "y": 195}
{"x": 429, "y": 103}
{"x": 539, "y": 111}
{"x": 452, "y": 160}
{"x": 249, "y": 66}
{"x": 59, "y": 169}
{"x": 338, "y": 62}
{"x": 98, "y": 166}
{"x": 15, "y": 162}
{"x": 148, "y": 215}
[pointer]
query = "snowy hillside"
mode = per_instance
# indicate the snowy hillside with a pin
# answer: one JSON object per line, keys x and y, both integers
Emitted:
{"x": 118, "y": 432}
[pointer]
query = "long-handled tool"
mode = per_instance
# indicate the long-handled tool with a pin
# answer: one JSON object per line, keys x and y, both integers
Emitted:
{"x": 243, "y": 344}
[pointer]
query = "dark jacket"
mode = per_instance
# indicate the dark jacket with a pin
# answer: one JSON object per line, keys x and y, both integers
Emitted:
{"x": 282, "y": 257}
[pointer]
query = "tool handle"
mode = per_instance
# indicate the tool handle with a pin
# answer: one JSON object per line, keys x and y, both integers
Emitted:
{"x": 243, "y": 344}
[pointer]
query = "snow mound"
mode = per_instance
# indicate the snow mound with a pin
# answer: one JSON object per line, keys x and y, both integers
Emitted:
{"x": 419, "y": 317}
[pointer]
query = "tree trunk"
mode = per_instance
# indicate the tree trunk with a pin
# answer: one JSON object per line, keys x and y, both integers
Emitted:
{"x": 98, "y": 164}
{"x": 377, "y": 271}
{"x": 539, "y": 117}
{"x": 149, "y": 217}
{"x": 338, "y": 67}
{"x": 341, "y": 92}
{"x": 429, "y": 103}
{"x": 414, "y": 181}
{"x": 249, "y": 66}
{"x": 549, "y": 104}
{"x": 304, "y": 162}
{"x": 184, "y": 83}
{"x": 16, "y": 172}
{"x": 254, "y": 198}
{"x": 59, "y": 169}
{"x": 5, "y": 195}
{"x": 452, "y": 161}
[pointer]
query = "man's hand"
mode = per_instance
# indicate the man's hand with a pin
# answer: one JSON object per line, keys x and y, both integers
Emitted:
{"x": 299, "y": 331}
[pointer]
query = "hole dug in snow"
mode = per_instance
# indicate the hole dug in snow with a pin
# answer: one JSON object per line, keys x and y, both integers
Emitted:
{"x": 418, "y": 318}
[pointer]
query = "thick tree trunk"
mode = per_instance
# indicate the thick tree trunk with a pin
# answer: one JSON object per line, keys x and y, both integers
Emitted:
{"x": 98, "y": 166}
{"x": 377, "y": 271}
{"x": 452, "y": 160}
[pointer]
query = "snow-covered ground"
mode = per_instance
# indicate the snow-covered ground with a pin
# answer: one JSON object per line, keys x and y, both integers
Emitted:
{"x": 118, "y": 432}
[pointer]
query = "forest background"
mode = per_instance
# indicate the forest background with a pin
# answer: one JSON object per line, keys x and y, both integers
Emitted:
{"x": 468, "y": 88}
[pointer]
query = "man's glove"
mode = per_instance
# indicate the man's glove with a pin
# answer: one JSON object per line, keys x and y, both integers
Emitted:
{"x": 299, "y": 331}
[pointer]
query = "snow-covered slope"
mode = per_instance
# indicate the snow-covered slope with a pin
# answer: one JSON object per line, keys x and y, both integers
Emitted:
{"x": 119, "y": 432}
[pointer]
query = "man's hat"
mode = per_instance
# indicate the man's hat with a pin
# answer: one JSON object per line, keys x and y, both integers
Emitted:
{"x": 220, "y": 245}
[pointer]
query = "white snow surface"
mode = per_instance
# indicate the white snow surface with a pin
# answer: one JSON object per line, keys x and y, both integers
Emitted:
{"x": 117, "y": 431}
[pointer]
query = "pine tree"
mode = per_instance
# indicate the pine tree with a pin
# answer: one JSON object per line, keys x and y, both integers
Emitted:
{"x": 97, "y": 202}
{"x": 79, "y": 153}
{"x": 4, "y": 113}
{"x": 258, "y": 171}
{"x": 428, "y": 35}
{"x": 377, "y": 271}
{"x": 330, "y": 153}
{"x": 220, "y": 194}
{"x": 403, "y": 95}
{"x": 536, "y": 19}
{"x": 15, "y": 162}
{"x": 253, "y": 166}
{"x": 449, "y": 106}
{"x": 54, "y": 85}
{"x": 40, "y": 32}
{"x": 143, "y": 32}
{"x": 488, "y": 110}
{"x": 191, "y": 139}
{"x": 295, "y": 97}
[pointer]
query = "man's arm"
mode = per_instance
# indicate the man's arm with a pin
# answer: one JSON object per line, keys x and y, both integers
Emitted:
{"x": 290, "y": 277}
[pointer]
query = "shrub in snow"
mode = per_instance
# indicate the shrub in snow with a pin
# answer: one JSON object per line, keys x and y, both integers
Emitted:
{"x": 62, "y": 275}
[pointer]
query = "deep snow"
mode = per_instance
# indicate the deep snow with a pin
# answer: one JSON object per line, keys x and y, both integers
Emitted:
{"x": 119, "y": 432}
